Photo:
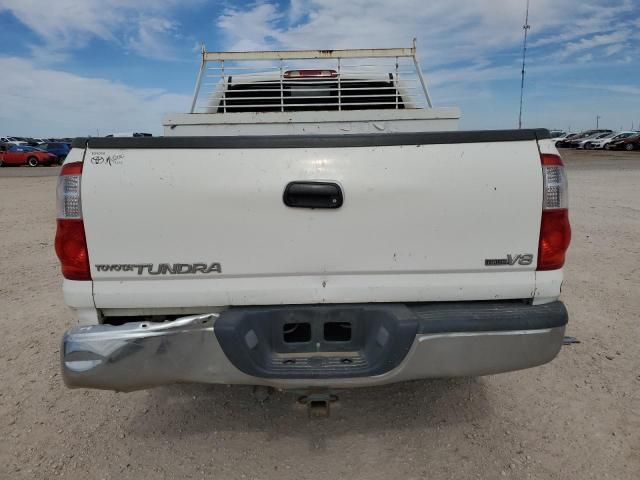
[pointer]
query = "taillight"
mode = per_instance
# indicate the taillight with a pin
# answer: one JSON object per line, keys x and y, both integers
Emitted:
{"x": 555, "y": 230}
{"x": 71, "y": 243}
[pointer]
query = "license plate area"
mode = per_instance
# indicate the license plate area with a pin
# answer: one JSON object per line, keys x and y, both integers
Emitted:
{"x": 316, "y": 341}
{"x": 327, "y": 331}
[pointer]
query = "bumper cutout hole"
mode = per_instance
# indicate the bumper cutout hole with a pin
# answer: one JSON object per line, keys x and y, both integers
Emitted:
{"x": 337, "y": 332}
{"x": 296, "y": 332}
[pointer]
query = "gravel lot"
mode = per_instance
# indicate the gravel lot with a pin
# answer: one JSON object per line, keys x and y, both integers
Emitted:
{"x": 575, "y": 418}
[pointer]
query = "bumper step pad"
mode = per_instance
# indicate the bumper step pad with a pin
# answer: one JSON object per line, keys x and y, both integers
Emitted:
{"x": 376, "y": 339}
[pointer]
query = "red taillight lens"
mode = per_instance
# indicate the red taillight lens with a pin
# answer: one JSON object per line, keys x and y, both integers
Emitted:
{"x": 71, "y": 243}
{"x": 71, "y": 248}
{"x": 310, "y": 73}
{"x": 550, "y": 160}
{"x": 555, "y": 236}
{"x": 555, "y": 230}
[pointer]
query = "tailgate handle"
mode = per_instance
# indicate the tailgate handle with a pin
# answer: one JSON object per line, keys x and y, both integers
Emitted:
{"x": 313, "y": 195}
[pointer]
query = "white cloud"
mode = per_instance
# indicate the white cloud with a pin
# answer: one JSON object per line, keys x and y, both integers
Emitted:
{"x": 474, "y": 73}
{"x": 153, "y": 38}
{"x": 298, "y": 10}
{"x": 143, "y": 26}
{"x": 66, "y": 23}
{"x": 608, "y": 39}
{"x": 614, "y": 88}
{"x": 249, "y": 29}
{"x": 46, "y": 102}
{"x": 613, "y": 49}
{"x": 446, "y": 33}
{"x": 586, "y": 58}
{"x": 365, "y": 23}
{"x": 586, "y": 20}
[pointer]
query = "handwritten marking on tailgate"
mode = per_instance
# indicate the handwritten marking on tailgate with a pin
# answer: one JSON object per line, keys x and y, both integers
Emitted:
{"x": 101, "y": 158}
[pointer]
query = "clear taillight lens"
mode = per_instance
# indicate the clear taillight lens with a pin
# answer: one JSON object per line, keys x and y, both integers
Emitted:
{"x": 555, "y": 188}
{"x": 68, "y": 197}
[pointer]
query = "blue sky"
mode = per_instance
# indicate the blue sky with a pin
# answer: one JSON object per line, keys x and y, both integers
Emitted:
{"x": 76, "y": 67}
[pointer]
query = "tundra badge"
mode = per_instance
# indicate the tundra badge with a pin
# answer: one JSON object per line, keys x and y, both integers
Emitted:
{"x": 162, "y": 268}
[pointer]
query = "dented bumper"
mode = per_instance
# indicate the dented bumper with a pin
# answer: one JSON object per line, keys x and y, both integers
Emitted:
{"x": 387, "y": 343}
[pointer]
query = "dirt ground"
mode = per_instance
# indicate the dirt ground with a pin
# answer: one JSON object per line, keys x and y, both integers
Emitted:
{"x": 575, "y": 418}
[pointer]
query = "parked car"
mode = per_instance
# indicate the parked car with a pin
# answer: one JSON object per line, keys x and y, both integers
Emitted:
{"x": 25, "y": 155}
{"x": 580, "y": 144}
{"x": 605, "y": 142}
{"x": 629, "y": 143}
{"x": 557, "y": 133}
{"x": 580, "y": 136}
{"x": 567, "y": 136}
{"x": 12, "y": 141}
{"x": 59, "y": 149}
{"x": 128, "y": 134}
{"x": 34, "y": 142}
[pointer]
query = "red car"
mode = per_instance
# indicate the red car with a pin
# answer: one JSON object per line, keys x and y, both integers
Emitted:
{"x": 26, "y": 155}
{"x": 628, "y": 143}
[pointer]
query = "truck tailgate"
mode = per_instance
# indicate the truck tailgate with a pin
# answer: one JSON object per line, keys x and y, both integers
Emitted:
{"x": 422, "y": 214}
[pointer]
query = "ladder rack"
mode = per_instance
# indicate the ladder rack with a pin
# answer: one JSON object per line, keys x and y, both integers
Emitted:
{"x": 347, "y": 79}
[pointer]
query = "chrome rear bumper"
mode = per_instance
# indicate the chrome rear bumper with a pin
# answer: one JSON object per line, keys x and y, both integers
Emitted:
{"x": 140, "y": 355}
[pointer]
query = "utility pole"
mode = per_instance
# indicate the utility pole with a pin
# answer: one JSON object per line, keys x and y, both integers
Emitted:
{"x": 526, "y": 28}
{"x": 597, "y": 121}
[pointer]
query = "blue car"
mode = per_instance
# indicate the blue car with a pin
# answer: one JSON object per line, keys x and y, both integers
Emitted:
{"x": 59, "y": 149}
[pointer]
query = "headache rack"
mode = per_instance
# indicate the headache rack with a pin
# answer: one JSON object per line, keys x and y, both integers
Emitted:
{"x": 310, "y": 80}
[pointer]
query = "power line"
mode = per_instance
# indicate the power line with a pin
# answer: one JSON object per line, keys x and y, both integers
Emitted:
{"x": 526, "y": 28}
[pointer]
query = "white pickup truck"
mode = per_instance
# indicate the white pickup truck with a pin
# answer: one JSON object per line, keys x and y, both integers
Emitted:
{"x": 311, "y": 229}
